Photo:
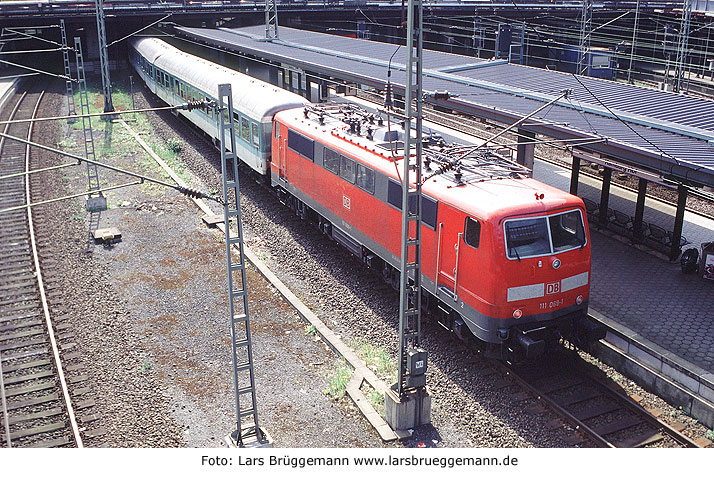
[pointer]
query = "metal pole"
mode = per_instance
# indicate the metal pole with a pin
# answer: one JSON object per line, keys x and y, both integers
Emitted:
{"x": 69, "y": 89}
{"x": 634, "y": 39}
{"x": 410, "y": 294}
{"x": 271, "y": 20}
{"x": 103, "y": 57}
{"x": 241, "y": 342}
{"x": 682, "y": 46}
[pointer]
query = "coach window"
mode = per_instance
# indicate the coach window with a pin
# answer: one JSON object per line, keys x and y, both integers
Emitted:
{"x": 365, "y": 178}
{"x": 256, "y": 134}
{"x": 245, "y": 129}
{"x": 331, "y": 161}
{"x": 472, "y": 232}
{"x": 347, "y": 169}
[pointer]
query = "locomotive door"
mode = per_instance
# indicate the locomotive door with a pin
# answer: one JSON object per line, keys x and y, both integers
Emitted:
{"x": 449, "y": 242}
{"x": 282, "y": 166}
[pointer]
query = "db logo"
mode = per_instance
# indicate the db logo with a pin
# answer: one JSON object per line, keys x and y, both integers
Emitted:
{"x": 346, "y": 202}
{"x": 552, "y": 288}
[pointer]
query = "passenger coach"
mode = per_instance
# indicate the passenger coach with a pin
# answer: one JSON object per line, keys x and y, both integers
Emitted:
{"x": 177, "y": 77}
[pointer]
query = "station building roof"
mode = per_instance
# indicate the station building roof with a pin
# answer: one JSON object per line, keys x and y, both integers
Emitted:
{"x": 663, "y": 132}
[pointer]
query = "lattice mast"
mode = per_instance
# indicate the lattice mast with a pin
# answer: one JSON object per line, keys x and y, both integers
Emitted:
{"x": 271, "y": 20}
{"x": 410, "y": 290}
{"x": 682, "y": 46}
{"x": 242, "y": 348}
{"x": 586, "y": 25}
{"x": 104, "y": 57}
{"x": 96, "y": 202}
{"x": 69, "y": 88}
{"x": 634, "y": 41}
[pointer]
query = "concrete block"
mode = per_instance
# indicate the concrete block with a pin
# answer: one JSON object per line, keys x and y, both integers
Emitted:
{"x": 409, "y": 412}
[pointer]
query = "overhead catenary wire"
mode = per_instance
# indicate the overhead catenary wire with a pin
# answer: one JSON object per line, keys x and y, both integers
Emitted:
{"x": 183, "y": 106}
{"x": 182, "y": 189}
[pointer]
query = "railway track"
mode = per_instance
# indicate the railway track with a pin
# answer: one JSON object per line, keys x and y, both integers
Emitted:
{"x": 35, "y": 404}
{"x": 583, "y": 396}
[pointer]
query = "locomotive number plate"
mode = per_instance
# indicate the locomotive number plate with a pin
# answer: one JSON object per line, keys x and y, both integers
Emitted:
{"x": 551, "y": 304}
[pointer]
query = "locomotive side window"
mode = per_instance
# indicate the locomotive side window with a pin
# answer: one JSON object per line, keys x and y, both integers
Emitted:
{"x": 331, "y": 161}
{"x": 429, "y": 211}
{"x": 301, "y": 144}
{"x": 429, "y": 206}
{"x": 567, "y": 231}
{"x": 365, "y": 178}
{"x": 472, "y": 232}
{"x": 394, "y": 194}
{"x": 347, "y": 169}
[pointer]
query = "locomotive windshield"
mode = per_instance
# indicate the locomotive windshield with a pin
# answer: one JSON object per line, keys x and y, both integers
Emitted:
{"x": 544, "y": 235}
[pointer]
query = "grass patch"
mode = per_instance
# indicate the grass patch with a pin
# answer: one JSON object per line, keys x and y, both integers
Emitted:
{"x": 337, "y": 381}
{"x": 377, "y": 359}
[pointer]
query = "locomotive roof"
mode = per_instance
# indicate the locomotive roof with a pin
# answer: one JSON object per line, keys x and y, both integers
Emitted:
{"x": 492, "y": 188}
{"x": 257, "y": 99}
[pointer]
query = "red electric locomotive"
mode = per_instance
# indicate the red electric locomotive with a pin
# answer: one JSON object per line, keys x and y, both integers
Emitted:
{"x": 504, "y": 258}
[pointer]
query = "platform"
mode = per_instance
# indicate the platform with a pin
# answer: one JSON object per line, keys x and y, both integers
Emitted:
{"x": 657, "y": 317}
{"x": 8, "y": 86}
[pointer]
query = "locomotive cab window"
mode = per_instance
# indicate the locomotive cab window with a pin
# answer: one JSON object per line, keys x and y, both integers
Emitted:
{"x": 472, "y": 232}
{"x": 529, "y": 237}
{"x": 567, "y": 231}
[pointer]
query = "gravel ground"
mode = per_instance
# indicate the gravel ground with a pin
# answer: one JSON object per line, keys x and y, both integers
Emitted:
{"x": 151, "y": 313}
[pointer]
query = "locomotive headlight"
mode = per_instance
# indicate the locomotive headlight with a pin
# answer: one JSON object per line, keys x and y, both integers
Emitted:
{"x": 579, "y": 299}
{"x": 517, "y": 314}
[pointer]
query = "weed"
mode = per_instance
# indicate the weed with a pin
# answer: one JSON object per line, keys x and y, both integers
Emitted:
{"x": 310, "y": 330}
{"x": 175, "y": 145}
{"x": 145, "y": 367}
{"x": 377, "y": 359}
{"x": 337, "y": 382}
{"x": 67, "y": 143}
{"x": 376, "y": 399}
{"x": 710, "y": 434}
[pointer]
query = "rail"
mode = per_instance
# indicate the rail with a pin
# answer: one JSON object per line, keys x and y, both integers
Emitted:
{"x": 594, "y": 405}
{"x": 24, "y": 302}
